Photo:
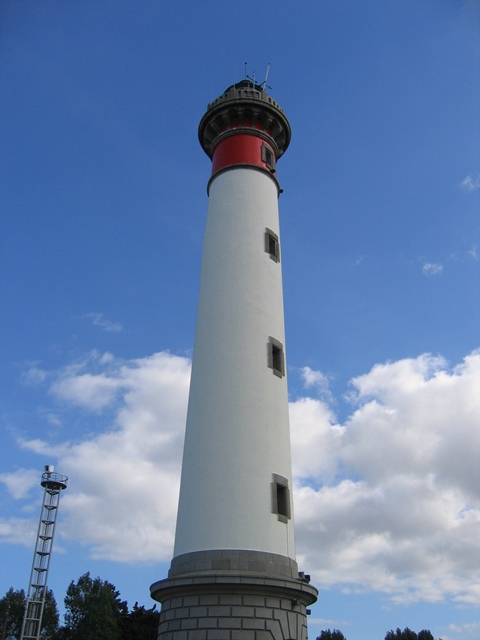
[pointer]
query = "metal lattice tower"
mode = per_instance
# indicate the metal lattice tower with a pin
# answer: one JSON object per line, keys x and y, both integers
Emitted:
{"x": 54, "y": 484}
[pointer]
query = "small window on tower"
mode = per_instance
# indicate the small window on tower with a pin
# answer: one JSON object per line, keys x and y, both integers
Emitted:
{"x": 268, "y": 157}
{"x": 281, "y": 498}
{"x": 272, "y": 245}
{"x": 276, "y": 360}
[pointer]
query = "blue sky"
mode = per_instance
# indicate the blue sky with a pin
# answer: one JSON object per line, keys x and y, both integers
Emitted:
{"x": 103, "y": 203}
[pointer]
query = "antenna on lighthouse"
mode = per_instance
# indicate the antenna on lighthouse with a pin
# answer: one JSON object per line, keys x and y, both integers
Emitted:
{"x": 247, "y": 77}
{"x": 54, "y": 484}
{"x": 264, "y": 83}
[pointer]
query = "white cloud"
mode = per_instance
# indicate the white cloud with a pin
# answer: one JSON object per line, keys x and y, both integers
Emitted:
{"x": 123, "y": 486}
{"x": 319, "y": 381}
{"x": 19, "y": 482}
{"x": 473, "y": 253}
{"x": 313, "y": 378}
{"x": 99, "y": 320}
{"x": 18, "y": 531}
{"x": 469, "y": 628}
{"x": 42, "y": 448}
{"x": 470, "y": 184}
{"x": 34, "y": 375}
{"x": 404, "y": 517}
{"x": 315, "y": 439}
{"x": 90, "y": 391}
{"x": 432, "y": 269}
{"x": 53, "y": 419}
{"x": 388, "y": 501}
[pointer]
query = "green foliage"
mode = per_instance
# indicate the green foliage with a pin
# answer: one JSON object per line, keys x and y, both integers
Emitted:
{"x": 12, "y": 609}
{"x": 93, "y": 610}
{"x": 408, "y": 634}
{"x": 140, "y": 624}
{"x": 50, "y": 618}
{"x": 327, "y": 634}
{"x": 12, "y": 606}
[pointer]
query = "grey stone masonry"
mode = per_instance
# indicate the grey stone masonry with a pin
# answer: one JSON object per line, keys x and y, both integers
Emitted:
{"x": 233, "y": 604}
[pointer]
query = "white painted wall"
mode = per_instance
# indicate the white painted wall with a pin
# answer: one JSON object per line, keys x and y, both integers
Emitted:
{"x": 237, "y": 432}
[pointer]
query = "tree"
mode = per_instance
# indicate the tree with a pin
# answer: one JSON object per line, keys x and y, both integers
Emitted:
{"x": 93, "y": 610}
{"x": 12, "y": 606}
{"x": 326, "y": 634}
{"x": 50, "y": 617}
{"x": 140, "y": 623}
{"x": 408, "y": 634}
{"x": 12, "y": 609}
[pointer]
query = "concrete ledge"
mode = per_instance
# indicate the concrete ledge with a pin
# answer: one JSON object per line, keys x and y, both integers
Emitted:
{"x": 236, "y": 560}
{"x": 188, "y": 586}
{"x": 225, "y": 605}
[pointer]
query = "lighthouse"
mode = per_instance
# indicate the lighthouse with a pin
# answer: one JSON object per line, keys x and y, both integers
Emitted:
{"x": 233, "y": 575}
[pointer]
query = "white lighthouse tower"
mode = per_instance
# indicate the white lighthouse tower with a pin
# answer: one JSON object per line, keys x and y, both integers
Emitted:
{"x": 234, "y": 575}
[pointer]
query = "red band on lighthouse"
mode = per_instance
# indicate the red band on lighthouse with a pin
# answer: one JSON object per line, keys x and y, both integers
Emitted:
{"x": 243, "y": 149}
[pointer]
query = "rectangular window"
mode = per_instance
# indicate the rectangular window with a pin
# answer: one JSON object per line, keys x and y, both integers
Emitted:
{"x": 276, "y": 359}
{"x": 268, "y": 157}
{"x": 281, "y": 498}
{"x": 272, "y": 245}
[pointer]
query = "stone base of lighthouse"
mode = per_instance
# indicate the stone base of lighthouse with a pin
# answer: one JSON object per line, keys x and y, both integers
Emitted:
{"x": 233, "y": 595}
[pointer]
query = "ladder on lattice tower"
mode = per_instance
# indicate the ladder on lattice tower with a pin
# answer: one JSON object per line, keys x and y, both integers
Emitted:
{"x": 54, "y": 484}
